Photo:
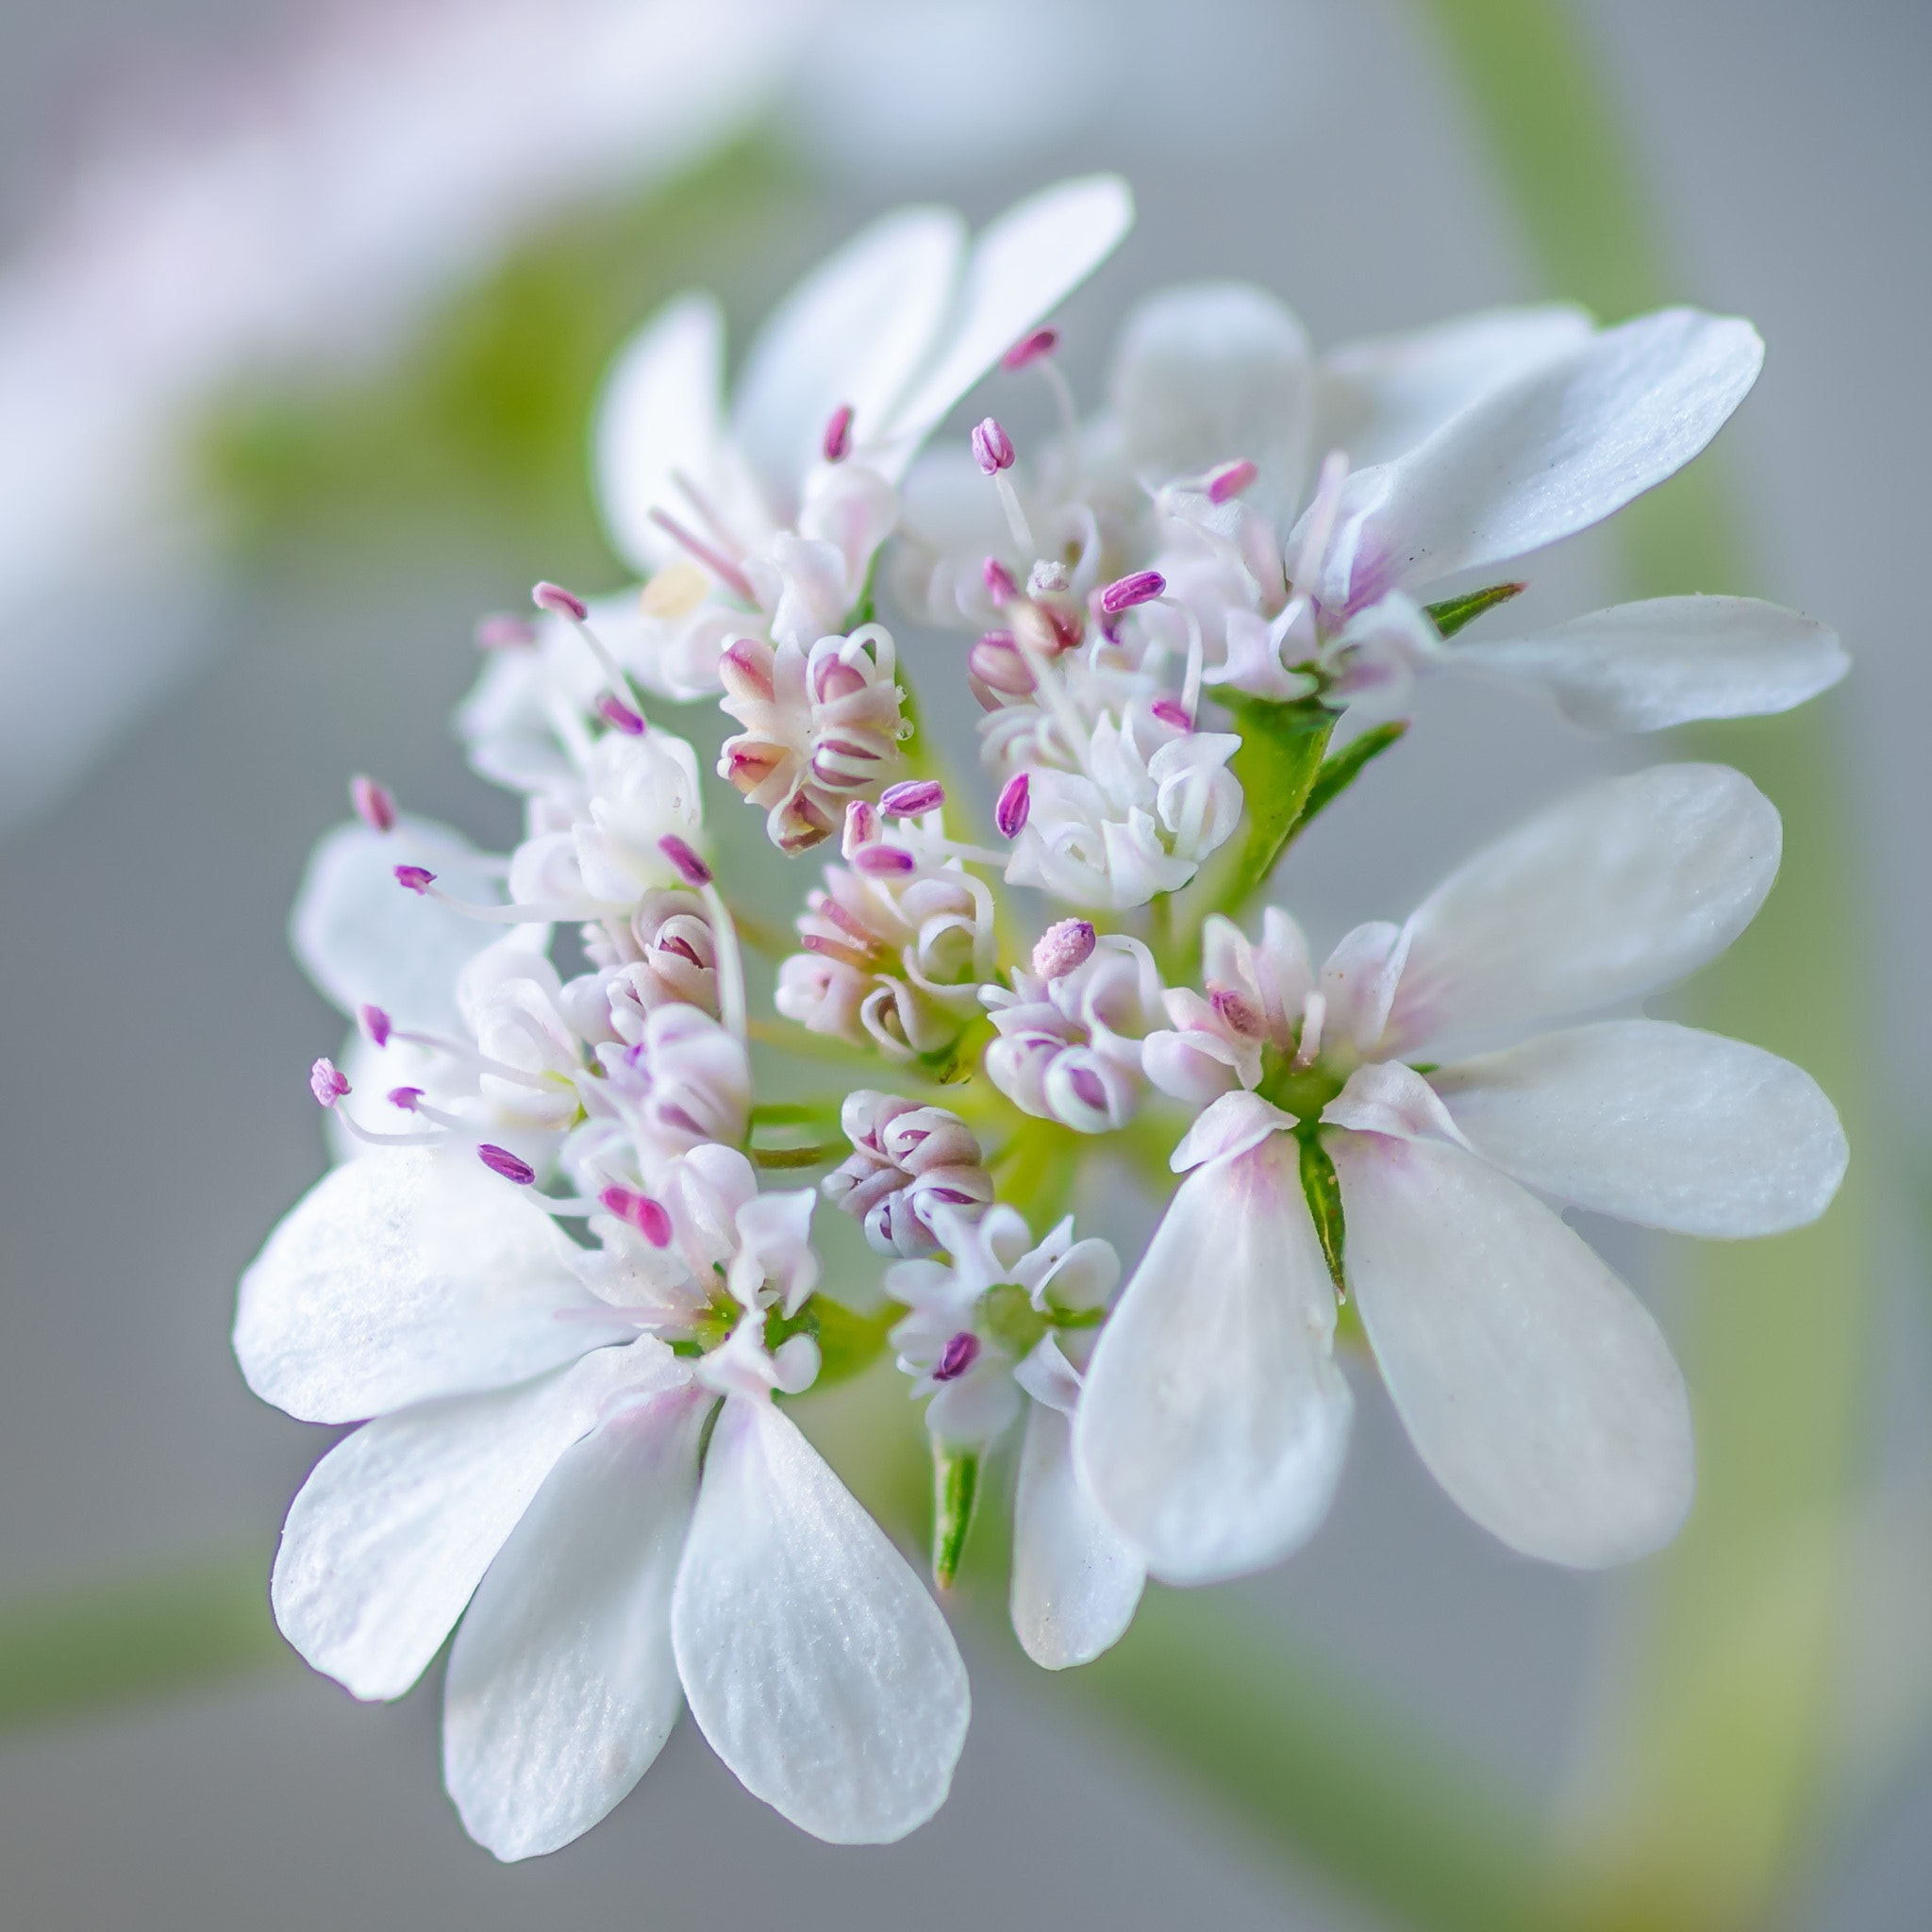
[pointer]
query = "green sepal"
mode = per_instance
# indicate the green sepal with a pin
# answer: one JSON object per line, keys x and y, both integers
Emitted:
{"x": 1323, "y": 1192}
{"x": 848, "y": 1343}
{"x": 1339, "y": 772}
{"x": 1279, "y": 760}
{"x": 954, "y": 1490}
{"x": 1452, "y": 613}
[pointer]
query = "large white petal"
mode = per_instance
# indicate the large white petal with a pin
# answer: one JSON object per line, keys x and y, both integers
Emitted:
{"x": 1382, "y": 397}
{"x": 1021, "y": 268}
{"x": 365, "y": 941}
{"x": 406, "y": 1276}
{"x": 1214, "y": 1421}
{"x": 1642, "y": 667}
{"x": 1212, "y": 370}
{"x": 659, "y": 413}
{"x": 562, "y": 1686}
{"x": 1543, "y": 457}
{"x": 854, "y": 332}
{"x": 396, "y": 1524}
{"x": 816, "y": 1665}
{"x": 1656, "y": 1123}
{"x": 1618, "y": 889}
{"x": 1534, "y": 1385}
{"x": 1076, "y": 1583}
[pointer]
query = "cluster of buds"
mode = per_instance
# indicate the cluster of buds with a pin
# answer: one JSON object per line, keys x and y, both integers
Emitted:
{"x": 907, "y": 1160}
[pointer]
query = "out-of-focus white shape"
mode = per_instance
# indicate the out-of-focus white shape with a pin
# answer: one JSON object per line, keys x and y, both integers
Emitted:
{"x": 394, "y": 154}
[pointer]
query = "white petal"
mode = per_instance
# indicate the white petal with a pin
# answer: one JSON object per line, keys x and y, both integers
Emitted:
{"x": 1226, "y": 1127}
{"x": 1534, "y": 1385}
{"x": 1214, "y": 1421}
{"x": 1642, "y": 667}
{"x": 406, "y": 1276}
{"x": 659, "y": 413}
{"x": 562, "y": 1688}
{"x": 1381, "y": 397}
{"x": 1543, "y": 457}
{"x": 365, "y": 941}
{"x": 1656, "y": 1123}
{"x": 1075, "y": 1583}
{"x": 816, "y": 1665}
{"x": 1618, "y": 889}
{"x": 396, "y": 1524}
{"x": 1210, "y": 371}
{"x": 854, "y": 332}
{"x": 1021, "y": 267}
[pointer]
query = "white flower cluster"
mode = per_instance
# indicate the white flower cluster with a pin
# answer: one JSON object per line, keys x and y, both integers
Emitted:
{"x": 547, "y": 1275}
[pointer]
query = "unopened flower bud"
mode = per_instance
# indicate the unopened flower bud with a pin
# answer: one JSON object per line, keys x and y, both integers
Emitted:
{"x": 374, "y": 804}
{"x": 559, "y": 602}
{"x": 1136, "y": 586}
{"x": 992, "y": 448}
{"x": 1062, "y": 947}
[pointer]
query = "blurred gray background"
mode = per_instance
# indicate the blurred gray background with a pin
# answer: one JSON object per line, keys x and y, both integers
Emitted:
{"x": 154, "y": 1033}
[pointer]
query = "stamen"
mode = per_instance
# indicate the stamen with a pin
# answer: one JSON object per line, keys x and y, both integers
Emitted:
{"x": 415, "y": 878}
{"x": 613, "y": 711}
{"x": 502, "y": 631}
{"x": 501, "y": 1160}
{"x": 643, "y": 1214}
{"x": 714, "y": 560}
{"x": 1197, "y": 660}
{"x": 376, "y": 1023}
{"x": 685, "y": 861}
{"x": 1230, "y": 481}
{"x": 405, "y": 1098}
{"x": 328, "y": 1082}
{"x": 1062, "y": 947}
{"x": 727, "y": 962}
{"x": 1136, "y": 586}
{"x": 1314, "y": 1012}
{"x": 959, "y": 1355}
{"x": 1029, "y": 349}
{"x": 838, "y": 446}
{"x": 912, "y": 797}
{"x": 1009, "y": 812}
{"x": 992, "y": 448}
{"x": 884, "y": 862}
{"x": 374, "y": 804}
{"x": 861, "y": 827}
{"x": 559, "y": 602}
{"x": 1047, "y": 578}
{"x": 1170, "y": 713}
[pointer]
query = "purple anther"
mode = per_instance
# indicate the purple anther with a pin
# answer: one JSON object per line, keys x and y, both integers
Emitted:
{"x": 1136, "y": 586}
{"x": 883, "y": 861}
{"x": 1170, "y": 712}
{"x": 377, "y": 1024}
{"x": 1230, "y": 481}
{"x": 689, "y": 867}
{"x": 559, "y": 602}
{"x": 1237, "y": 1014}
{"x": 838, "y": 443}
{"x": 861, "y": 825}
{"x": 1062, "y": 947}
{"x": 912, "y": 796}
{"x": 374, "y": 804}
{"x": 328, "y": 1082}
{"x": 1014, "y": 803}
{"x": 614, "y": 711}
{"x": 501, "y": 631}
{"x": 501, "y": 1160}
{"x": 415, "y": 878}
{"x": 958, "y": 1355}
{"x": 1001, "y": 584}
{"x": 992, "y": 448}
{"x": 405, "y": 1098}
{"x": 1042, "y": 342}
{"x": 643, "y": 1214}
